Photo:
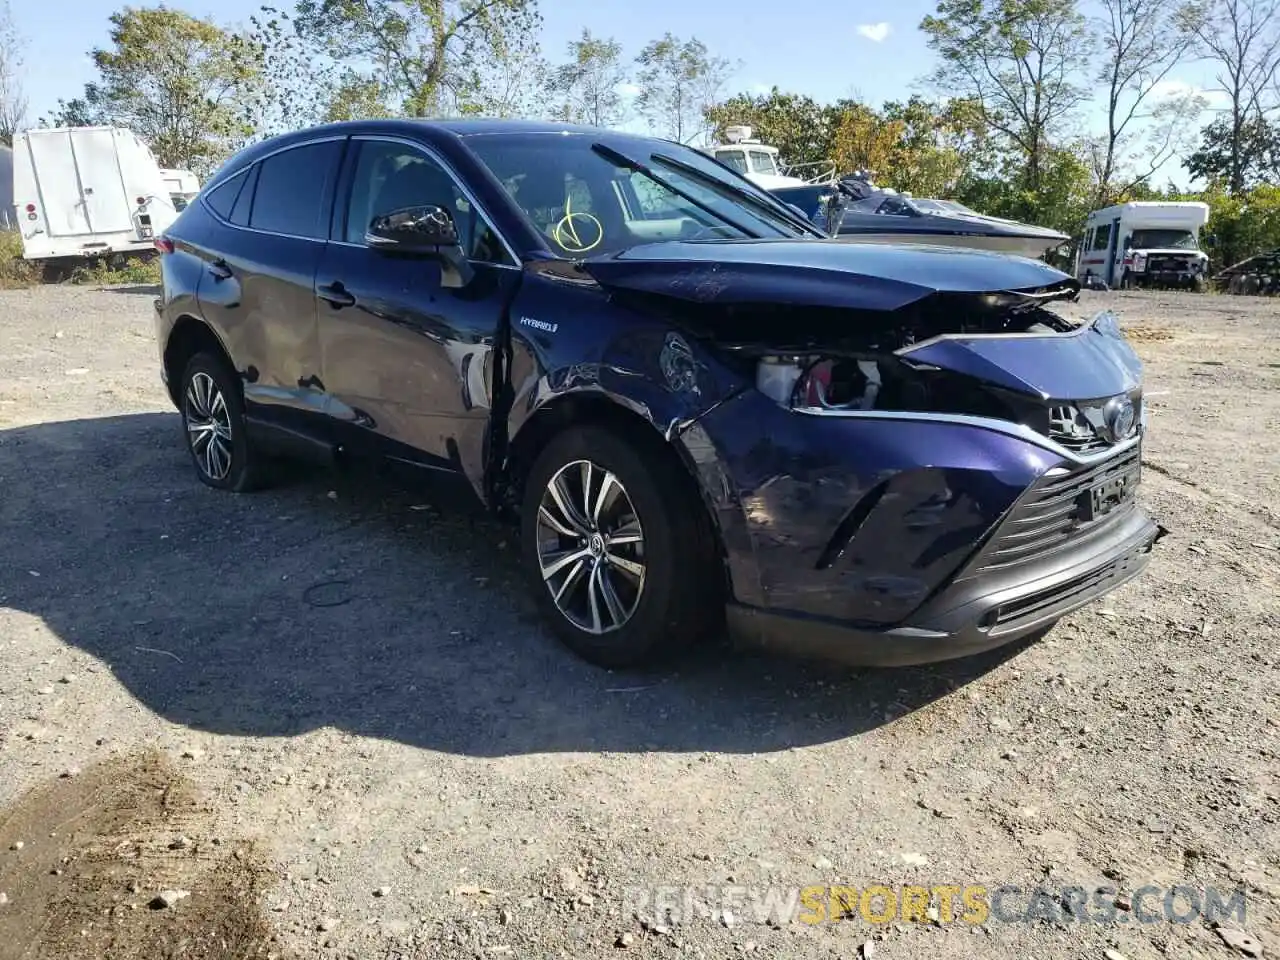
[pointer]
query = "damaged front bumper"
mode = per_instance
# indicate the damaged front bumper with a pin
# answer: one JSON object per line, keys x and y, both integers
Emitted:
{"x": 905, "y": 539}
{"x": 969, "y": 616}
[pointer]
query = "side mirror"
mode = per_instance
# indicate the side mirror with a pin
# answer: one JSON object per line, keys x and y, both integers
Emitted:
{"x": 1209, "y": 241}
{"x": 424, "y": 231}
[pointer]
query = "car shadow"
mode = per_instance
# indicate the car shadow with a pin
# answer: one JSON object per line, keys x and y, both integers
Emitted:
{"x": 362, "y": 605}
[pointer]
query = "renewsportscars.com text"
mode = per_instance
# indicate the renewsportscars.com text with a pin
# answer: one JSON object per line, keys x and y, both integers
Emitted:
{"x": 946, "y": 903}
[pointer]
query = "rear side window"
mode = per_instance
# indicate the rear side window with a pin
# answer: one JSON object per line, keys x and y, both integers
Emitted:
{"x": 293, "y": 190}
{"x": 222, "y": 198}
{"x": 240, "y": 212}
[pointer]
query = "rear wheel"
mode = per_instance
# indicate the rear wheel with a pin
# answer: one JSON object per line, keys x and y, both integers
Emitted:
{"x": 214, "y": 426}
{"x": 619, "y": 549}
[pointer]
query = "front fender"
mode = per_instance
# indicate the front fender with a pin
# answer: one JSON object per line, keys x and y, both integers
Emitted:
{"x": 574, "y": 340}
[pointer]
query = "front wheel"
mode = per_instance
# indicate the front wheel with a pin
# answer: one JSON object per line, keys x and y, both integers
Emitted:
{"x": 619, "y": 549}
{"x": 214, "y": 425}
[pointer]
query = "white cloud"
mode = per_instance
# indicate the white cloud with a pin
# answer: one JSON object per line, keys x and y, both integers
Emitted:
{"x": 762, "y": 88}
{"x": 627, "y": 90}
{"x": 1170, "y": 89}
{"x": 875, "y": 32}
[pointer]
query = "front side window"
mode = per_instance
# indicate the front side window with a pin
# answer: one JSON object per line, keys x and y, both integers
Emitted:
{"x": 733, "y": 159}
{"x": 391, "y": 176}
{"x": 763, "y": 162}
{"x": 292, "y": 190}
{"x": 1102, "y": 237}
{"x": 588, "y": 199}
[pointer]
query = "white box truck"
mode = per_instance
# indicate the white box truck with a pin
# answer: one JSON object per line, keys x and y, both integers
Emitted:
{"x": 87, "y": 192}
{"x": 1145, "y": 243}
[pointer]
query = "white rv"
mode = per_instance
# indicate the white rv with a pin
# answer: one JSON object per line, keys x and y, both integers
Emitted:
{"x": 1144, "y": 243}
{"x": 87, "y": 192}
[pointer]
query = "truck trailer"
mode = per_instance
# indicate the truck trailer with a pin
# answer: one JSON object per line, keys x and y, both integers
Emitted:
{"x": 87, "y": 192}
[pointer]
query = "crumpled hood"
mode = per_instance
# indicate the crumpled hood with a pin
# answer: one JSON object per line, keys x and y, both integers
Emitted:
{"x": 820, "y": 273}
{"x": 1088, "y": 363}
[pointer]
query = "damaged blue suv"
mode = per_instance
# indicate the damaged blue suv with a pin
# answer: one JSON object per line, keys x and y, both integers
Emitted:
{"x": 700, "y": 411}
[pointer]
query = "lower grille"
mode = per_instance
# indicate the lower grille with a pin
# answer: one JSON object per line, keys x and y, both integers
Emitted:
{"x": 1062, "y": 506}
{"x": 1047, "y": 603}
{"x": 1169, "y": 264}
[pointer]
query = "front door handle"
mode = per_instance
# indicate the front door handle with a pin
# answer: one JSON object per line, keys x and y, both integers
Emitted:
{"x": 220, "y": 270}
{"x": 336, "y": 294}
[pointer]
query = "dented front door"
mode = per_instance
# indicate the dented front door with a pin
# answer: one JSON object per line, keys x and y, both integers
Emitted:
{"x": 408, "y": 363}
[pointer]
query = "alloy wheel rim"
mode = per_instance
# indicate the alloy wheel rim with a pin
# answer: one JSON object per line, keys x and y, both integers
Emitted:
{"x": 208, "y": 426}
{"x": 591, "y": 547}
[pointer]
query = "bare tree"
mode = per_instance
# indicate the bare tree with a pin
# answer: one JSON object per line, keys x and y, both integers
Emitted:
{"x": 1143, "y": 40}
{"x": 1243, "y": 38}
{"x": 13, "y": 101}
{"x": 679, "y": 81}
{"x": 589, "y": 84}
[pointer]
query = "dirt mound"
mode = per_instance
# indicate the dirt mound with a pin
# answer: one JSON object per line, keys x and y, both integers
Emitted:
{"x": 88, "y": 862}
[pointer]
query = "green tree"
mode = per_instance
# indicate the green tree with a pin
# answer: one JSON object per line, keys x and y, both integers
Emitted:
{"x": 431, "y": 57}
{"x": 938, "y": 145}
{"x": 182, "y": 84}
{"x": 588, "y": 87}
{"x": 865, "y": 140}
{"x": 1250, "y": 156}
{"x": 1242, "y": 39}
{"x": 1021, "y": 60}
{"x": 679, "y": 80}
{"x": 1242, "y": 223}
{"x": 356, "y": 97}
{"x": 797, "y": 125}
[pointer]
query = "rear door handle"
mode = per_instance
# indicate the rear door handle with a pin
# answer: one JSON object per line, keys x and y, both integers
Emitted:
{"x": 220, "y": 270}
{"x": 336, "y": 294}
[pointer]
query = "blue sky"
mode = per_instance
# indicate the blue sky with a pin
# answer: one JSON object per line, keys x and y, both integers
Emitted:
{"x": 873, "y": 50}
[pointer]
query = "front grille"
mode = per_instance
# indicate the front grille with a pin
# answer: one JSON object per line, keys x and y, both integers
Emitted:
{"x": 1070, "y": 428}
{"x": 1062, "y": 506}
{"x": 1169, "y": 264}
{"x": 1048, "y": 602}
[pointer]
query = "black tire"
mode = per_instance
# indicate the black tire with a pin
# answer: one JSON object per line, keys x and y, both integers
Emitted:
{"x": 681, "y": 600}
{"x": 245, "y": 468}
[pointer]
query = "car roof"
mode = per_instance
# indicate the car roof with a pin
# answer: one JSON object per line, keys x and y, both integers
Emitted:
{"x": 458, "y": 130}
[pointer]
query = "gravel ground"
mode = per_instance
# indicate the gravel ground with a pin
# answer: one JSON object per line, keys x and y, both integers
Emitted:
{"x": 328, "y": 714}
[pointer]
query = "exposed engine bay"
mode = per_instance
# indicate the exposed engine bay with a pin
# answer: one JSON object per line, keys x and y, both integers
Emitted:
{"x": 830, "y": 359}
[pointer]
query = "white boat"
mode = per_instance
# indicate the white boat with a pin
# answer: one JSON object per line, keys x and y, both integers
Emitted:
{"x": 872, "y": 214}
{"x": 762, "y": 164}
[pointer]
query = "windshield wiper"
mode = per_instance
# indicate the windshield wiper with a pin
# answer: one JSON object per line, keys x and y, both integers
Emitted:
{"x": 772, "y": 206}
{"x": 622, "y": 160}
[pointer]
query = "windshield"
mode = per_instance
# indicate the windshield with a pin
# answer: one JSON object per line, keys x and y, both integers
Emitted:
{"x": 1166, "y": 239}
{"x": 588, "y": 200}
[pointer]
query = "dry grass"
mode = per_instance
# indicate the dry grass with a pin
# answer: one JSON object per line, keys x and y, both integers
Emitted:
{"x": 15, "y": 273}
